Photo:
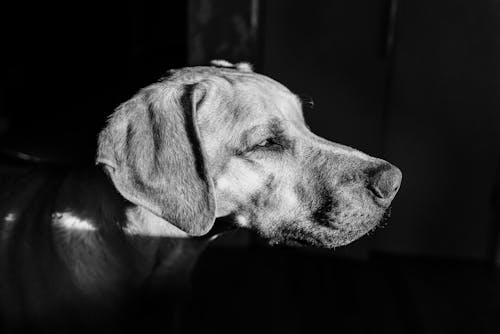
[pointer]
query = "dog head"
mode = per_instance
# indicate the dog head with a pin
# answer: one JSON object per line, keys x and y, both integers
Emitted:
{"x": 219, "y": 141}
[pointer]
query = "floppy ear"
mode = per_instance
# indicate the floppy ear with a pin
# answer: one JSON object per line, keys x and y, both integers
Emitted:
{"x": 152, "y": 151}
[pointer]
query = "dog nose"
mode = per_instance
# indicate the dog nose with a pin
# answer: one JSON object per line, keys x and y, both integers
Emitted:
{"x": 385, "y": 181}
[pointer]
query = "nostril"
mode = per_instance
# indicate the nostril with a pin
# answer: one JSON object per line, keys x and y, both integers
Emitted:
{"x": 385, "y": 181}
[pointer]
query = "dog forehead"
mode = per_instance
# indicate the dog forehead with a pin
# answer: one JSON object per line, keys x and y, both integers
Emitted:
{"x": 256, "y": 98}
{"x": 237, "y": 101}
{"x": 241, "y": 90}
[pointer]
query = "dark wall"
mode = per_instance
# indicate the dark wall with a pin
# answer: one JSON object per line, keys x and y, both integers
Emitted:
{"x": 432, "y": 108}
{"x": 66, "y": 67}
{"x": 332, "y": 52}
{"x": 444, "y": 128}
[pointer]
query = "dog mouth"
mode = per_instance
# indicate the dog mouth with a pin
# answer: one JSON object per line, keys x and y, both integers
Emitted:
{"x": 329, "y": 233}
{"x": 319, "y": 239}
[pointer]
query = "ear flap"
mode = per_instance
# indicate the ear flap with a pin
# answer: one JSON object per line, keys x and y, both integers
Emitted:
{"x": 152, "y": 148}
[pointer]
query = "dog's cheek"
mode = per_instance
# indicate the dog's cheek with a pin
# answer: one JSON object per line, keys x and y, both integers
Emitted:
{"x": 235, "y": 187}
{"x": 277, "y": 207}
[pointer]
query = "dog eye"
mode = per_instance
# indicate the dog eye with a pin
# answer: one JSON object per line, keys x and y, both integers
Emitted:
{"x": 265, "y": 143}
{"x": 270, "y": 143}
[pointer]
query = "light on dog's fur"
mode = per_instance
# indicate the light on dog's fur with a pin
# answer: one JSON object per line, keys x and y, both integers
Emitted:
{"x": 69, "y": 221}
{"x": 10, "y": 217}
{"x": 9, "y": 221}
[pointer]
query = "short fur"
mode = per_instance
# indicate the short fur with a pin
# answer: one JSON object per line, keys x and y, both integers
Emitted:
{"x": 203, "y": 143}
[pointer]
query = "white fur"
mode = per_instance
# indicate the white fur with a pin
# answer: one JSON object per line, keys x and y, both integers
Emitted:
{"x": 143, "y": 223}
{"x": 221, "y": 63}
{"x": 68, "y": 221}
{"x": 243, "y": 66}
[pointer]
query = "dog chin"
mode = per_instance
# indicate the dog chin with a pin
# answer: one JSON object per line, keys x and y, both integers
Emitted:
{"x": 332, "y": 242}
{"x": 339, "y": 234}
{"x": 356, "y": 227}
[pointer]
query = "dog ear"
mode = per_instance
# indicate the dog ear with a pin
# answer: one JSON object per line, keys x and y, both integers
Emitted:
{"x": 152, "y": 151}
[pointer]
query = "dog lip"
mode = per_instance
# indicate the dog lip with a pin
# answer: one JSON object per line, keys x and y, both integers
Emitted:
{"x": 328, "y": 223}
{"x": 339, "y": 227}
{"x": 298, "y": 242}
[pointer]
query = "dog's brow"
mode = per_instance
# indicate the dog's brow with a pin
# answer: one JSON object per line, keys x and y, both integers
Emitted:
{"x": 275, "y": 127}
{"x": 272, "y": 128}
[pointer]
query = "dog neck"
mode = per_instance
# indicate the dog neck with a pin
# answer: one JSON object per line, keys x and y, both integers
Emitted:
{"x": 109, "y": 244}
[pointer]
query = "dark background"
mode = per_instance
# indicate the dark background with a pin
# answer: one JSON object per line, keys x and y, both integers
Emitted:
{"x": 414, "y": 82}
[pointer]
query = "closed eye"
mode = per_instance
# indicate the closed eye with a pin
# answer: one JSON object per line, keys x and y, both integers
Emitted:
{"x": 273, "y": 144}
{"x": 267, "y": 143}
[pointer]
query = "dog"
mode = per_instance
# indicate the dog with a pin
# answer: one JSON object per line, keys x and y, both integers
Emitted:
{"x": 217, "y": 141}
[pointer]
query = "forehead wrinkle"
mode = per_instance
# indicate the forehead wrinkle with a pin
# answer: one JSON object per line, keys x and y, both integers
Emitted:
{"x": 271, "y": 127}
{"x": 275, "y": 126}
{"x": 287, "y": 104}
{"x": 250, "y": 102}
{"x": 266, "y": 98}
{"x": 247, "y": 134}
